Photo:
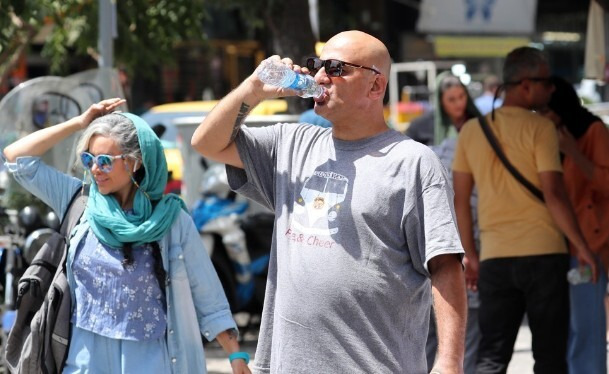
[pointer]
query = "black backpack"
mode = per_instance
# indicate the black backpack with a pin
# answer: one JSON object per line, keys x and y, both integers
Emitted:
{"x": 38, "y": 341}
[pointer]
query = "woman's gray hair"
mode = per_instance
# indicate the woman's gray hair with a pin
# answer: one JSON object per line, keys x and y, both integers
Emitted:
{"x": 116, "y": 127}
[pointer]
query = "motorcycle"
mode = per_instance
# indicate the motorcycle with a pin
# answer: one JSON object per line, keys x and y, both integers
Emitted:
{"x": 238, "y": 242}
{"x": 22, "y": 235}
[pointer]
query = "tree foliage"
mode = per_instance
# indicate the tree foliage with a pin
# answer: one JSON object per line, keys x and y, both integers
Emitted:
{"x": 289, "y": 29}
{"x": 147, "y": 30}
{"x": 286, "y": 21}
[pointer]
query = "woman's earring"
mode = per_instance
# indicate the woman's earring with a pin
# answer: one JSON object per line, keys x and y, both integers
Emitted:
{"x": 84, "y": 177}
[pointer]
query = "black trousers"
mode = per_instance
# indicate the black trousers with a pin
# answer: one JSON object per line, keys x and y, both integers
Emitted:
{"x": 511, "y": 287}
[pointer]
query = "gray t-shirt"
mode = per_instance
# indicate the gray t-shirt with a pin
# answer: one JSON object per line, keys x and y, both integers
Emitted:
{"x": 348, "y": 289}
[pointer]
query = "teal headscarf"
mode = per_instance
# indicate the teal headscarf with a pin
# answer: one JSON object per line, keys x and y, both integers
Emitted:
{"x": 148, "y": 223}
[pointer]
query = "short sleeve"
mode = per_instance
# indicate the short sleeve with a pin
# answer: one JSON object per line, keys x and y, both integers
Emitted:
{"x": 460, "y": 162}
{"x": 431, "y": 225}
{"x": 257, "y": 149}
{"x": 547, "y": 153}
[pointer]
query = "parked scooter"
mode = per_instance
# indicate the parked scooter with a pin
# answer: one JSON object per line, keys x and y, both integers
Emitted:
{"x": 21, "y": 237}
{"x": 239, "y": 243}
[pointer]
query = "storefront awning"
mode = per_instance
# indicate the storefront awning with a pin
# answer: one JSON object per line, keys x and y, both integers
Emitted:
{"x": 476, "y": 46}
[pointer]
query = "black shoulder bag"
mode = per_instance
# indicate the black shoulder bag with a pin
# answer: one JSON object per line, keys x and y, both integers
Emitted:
{"x": 488, "y": 132}
{"x": 39, "y": 340}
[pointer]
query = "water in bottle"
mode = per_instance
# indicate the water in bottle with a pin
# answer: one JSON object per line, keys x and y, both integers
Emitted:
{"x": 280, "y": 75}
{"x": 579, "y": 275}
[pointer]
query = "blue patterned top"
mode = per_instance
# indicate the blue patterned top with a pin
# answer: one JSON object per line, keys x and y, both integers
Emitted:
{"x": 115, "y": 301}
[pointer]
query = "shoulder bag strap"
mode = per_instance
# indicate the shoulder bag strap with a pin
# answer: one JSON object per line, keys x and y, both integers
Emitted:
{"x": 75, "y": 210}
{"x": 488, "y": 132}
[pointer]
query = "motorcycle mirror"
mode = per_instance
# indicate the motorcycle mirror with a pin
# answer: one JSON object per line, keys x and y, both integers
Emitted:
{"x": 29, "y": 218}
{"x": 52, "y": 221}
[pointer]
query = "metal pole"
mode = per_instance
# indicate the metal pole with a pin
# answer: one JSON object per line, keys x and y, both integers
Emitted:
{"x": 314, "y": 17}
{"x": 107, "y": 32}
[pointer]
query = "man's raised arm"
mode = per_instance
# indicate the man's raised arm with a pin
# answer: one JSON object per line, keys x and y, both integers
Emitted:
{"x": 215, "y": 136}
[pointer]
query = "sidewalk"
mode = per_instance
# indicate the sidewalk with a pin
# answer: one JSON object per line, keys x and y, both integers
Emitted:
{"x": 522, "y": 359}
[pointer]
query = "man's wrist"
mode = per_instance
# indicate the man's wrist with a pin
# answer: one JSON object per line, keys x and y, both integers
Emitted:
{"x": 450, "y": 364}
{"x": 252, "y": 92}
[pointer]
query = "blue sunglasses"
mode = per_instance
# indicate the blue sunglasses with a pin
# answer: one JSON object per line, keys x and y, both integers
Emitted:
{"x": 104, "y": 162}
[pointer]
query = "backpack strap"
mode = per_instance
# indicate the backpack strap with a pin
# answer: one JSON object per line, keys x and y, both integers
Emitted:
{"x": 490, "y": 136}
{"x": 76, "y": 208}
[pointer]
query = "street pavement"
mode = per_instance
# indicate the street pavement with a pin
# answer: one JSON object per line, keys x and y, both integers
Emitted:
{"x": 522, "y": 360}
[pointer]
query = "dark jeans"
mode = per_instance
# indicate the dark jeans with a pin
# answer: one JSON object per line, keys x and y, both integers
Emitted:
{"x": 509, "y": 287}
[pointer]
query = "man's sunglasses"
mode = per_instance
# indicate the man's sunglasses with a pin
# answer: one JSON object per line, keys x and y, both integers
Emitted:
{"x": 104, "y": 162}
{"x": 333, "y": 68}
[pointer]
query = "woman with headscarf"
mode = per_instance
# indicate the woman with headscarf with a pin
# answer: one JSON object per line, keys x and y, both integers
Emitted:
{"x": 584, "y": 146}
{"x": 454, "y": 107}
{"x": 143, "y": 287}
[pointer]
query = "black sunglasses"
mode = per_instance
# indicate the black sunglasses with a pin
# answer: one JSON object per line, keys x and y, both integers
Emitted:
{"x": 333, "y": 68}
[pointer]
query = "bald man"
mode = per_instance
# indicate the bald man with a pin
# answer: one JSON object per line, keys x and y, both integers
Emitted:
{"x": 364, "y": 223}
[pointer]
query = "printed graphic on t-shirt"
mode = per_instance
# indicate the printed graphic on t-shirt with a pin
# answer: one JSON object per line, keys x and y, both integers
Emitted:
{"x": 317, "y": 208}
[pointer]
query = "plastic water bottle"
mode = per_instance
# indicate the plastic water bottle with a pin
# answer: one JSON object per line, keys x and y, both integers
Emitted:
{"x": 280, "y": 75}
{"x": 579, "y": 275}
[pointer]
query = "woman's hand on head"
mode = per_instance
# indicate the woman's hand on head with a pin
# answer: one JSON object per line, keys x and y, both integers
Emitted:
{"x": 100, "y": 109}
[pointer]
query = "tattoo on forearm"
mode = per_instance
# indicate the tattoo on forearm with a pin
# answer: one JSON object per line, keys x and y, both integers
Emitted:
{"x": 243, "y": 111}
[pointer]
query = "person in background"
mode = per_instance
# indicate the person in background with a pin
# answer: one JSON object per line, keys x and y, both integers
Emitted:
{"x": 487, "y": 101}
{"x": 584, "y": 146}
{"x": 143, "y": 287}
{"x": 454, "y": 109}
{"x": 364, "y": 226}
{"x": 421, "y": 129}
{"x": 523, "y": 256}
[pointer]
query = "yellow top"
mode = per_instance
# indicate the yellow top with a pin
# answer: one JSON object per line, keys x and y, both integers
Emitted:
{"x": 512, "y": 221}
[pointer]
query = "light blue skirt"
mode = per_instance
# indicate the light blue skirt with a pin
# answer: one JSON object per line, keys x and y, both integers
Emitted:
{"x": 91, "y": 353}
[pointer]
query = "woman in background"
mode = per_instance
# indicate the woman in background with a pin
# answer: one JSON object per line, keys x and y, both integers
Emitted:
{"x": 454, "y": 107}
{"x": 584, "y": 145}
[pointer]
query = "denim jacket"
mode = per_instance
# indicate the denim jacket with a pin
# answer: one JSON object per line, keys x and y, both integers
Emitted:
{"x": 195, "y": 297}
